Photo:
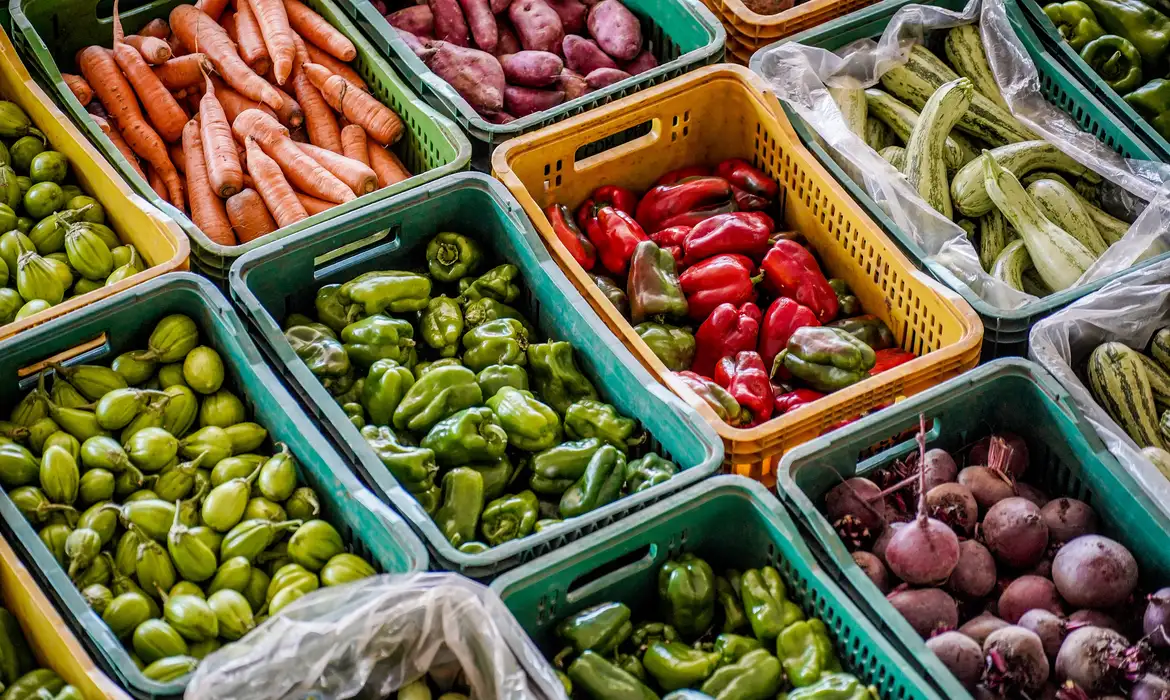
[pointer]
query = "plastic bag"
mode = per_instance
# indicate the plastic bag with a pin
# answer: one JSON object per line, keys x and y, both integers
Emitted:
{"x": 369, "y": 638}
{"x": 799, "y": 75}
{"x": 1128, "y": 310}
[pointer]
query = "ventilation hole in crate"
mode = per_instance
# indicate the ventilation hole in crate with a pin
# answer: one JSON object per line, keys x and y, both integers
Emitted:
{"x": 560, "y": 164}
{"x": 557, "y": 181}
{"x": 547, "y": 169}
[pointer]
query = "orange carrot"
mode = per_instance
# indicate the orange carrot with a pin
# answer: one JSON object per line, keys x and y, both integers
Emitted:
{"x": 249, "y": 183}
{"x": 156, "y": 28}
{"x": 290, "y": 114}
{"x": 354, "y": 173}
{"x": 299, "y": 134}
{"x": 119, "y": 143}
{"x": 276, "y": 192}
{"x": 219, "y": 150}
{"x": 315, "y": 29}
{"x": 207, "y": 210}
{"x": 175, "y": 151}
{"x": 251, "y": 42}
{"x": 183, "y": 71}
{"x": 302, "y": 171}
{"x": 234, "y": 103}
{"x": 313, "y": 205}
{"x": 165, "y": 113}
{"x": 197, "y": 31}
{"x": 211, "y": 8}
{"x": 379, "y": 121}
{"x": 319, "y": 57}
{"x": 250, "y": 218}
{"x": 353, "y": 143}
{"x": 320, "y": 122}
{"x": 157, "y": 184}
{"x": 390, "y": 170}
{"x": 154, "y": 50}
{"x": 81, "y": 89}
{"x": 274, "y": 27}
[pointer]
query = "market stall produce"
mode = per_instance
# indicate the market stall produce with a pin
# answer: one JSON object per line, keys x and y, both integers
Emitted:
{"x": 20, "y": 675}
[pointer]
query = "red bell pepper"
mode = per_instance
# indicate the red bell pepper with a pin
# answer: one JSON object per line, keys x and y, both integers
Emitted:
{"x": 616, "y": 237}
{"x": 745, "y": 201}
{"x": 721, "y": 402}
{"x": 723, "y": 279}
{"x": 791, "y": 271}
{"x": 727, "y": 331}
{"x": 607, "y": 195}
{"x": 684, "y": 203}
{"x": 675, "y": 176}
{"x": 889, "y": 359}
{"x": 747, "y": 177}
{"x": 784, "y": 316}
{"x": 739, "y": 232}
{"x": 580, "y": 247}
{"x": 795, "y": 399}
{"x": 746, "y": 379}
{"x": 671, "y": 239}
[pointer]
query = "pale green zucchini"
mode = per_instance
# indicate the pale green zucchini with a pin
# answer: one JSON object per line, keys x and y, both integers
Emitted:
{"x": 925, "y": 160}
{"x": 964, "y": 50}
{"x": 1044, "y": 175}
{"x": 851, "y": 102}
{"x": 1160, "y": 347}
{"x": 970, "y": 227}
{"x": 1062, "y": 207}
{"x": 1110, "y": 227}
{"x": 1159, "y": 458}
{"x": 1034, "y": 285}
{"x": 878, "y": 135}
{"x": 1118, "y": 380}
{"x": 967, "y": 190}
{"x": 901, "y": 118}
{"x": 895, "y": 155}
{"x": 993, "y": 237}
{"x": 1159, "y": 380}
{"x": 1011, "y": 264}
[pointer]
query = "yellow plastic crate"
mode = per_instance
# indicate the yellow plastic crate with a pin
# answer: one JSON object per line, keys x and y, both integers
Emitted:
{"x": 702, "y": 118}
{"x": 158, "y": 239}
{"x": 753, "y": 31}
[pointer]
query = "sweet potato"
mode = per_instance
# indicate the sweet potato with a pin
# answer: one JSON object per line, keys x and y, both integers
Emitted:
{"x": 522, "y": 101}
{"x": 573, "y": 85}
{"x": 642, "y": 62}
{"x": 604, "y": 77}
{"x": 532, "y": 68}
{"x": 507, "y": 42}
{"x": 499, "y": 6}
{"x": 450, "y": 24}
{"x": 417, "y": 44}
{"x": 482, "y": 24}
{"x": 583, "y": 56}
{"x": 616, "y": 29}
{"x": 475, "y": 74}
{"x": 416, "y": 19}
{"x": 537, "y": 25}
{"x": 498, "y": 117}
{"x": 572, "y": 14}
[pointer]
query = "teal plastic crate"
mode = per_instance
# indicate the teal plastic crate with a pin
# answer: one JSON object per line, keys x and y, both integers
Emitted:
{"x": 1005, "y": 332}
{"x": 730, "y": 521}
{"x": 1065, "y": 459}
{"x": 682, "y": 35}
{"x": 123, "y": 322}
{"x": 270, "y": 283}
{"x": 49, "y": 32}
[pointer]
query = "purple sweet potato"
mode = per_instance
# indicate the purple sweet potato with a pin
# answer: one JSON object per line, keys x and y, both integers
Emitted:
{"x": 617, "y": 30}
{"x": 498, "y": 117}
{"x": 583, "y": 56}
{"x": 975, "y": 575}
{"x": 507, "y": 42}
{"x": 537, "y": 25}
{"x": 416, "y": 19}
{"x": 475, "y": 74}
{"x": 604, "y": 77}
{"x": 482, "y": 23}
{"x": 572, "y": 14}
{"x": 415, "y": 43}
{"x": 874, "y": 569}
{"x": 1094, "y": 572}
{"x": 962, "y": 655}
{"x": 1068, "y": 519}
{"x": 926, "y": 609}
{"x": 522, "y": 101}
{"x": 1028, "y": 593}
{"x": 450, "y": 24}
{"x": 1015, "y": 533}
{"x": 499, "y": 6}
{"x": 572, "y": 84}
{"x": 532, "y": 68}
{"x": 642, "y": 62}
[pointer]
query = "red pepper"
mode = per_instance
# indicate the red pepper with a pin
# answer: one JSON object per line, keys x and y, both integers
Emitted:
{"x": 746, "y": 201}
{"x": 738, "y": 232}
{"x": 791, "y": 271}
{"x": 784, "y": 316}
{"x": 721, "y": 402}
{"x": 675, "y": 176}
{"x": 665, "y": 205}
{"x": 748, "y": 178}
{"x": 746, "y": 379}
{"x": 607, "y": 195}
{"x": 726, "y": 331}
{"x": 890, "y": 358}
{"x": 617, "y": 234}
{"x": 795, "y": 399}
{"x": 675, "y": 235}
{"x": 580, "y": 247}
{"x": 723, "y": 279}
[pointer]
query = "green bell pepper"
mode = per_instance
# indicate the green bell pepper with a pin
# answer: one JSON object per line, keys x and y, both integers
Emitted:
{"x": 355, "y": 413}
{"x": 473, "y": 548}
{"x": 674, "y": 346}
{"x": 631, "y": 664}
{"x": 733, "y": 615}
{"x": 615, "y": 294}
{"x": 494, "y": 377}
{"x": 676, "y": 665}
{"x": 376, "y": 338}
{"x": 654, "y": 289}
{"x": 869, "y": 329}
{"x": 601, "y": 628}
{"x": 1075, "y": 22}
{"x": 648, "y": 472}
{"x": 556, "y": 377}
{"x": 1116, "y": 60}
{"x": 847, "y": 302}
{"x": 546, "y": 523}
{"x": 602, "y": 680}
{"x": 588, "y": 418}
{"x": 471, "y": 435}
{"x": 599, "y": 485}
{"x": 441, "y": 325}
{"x": 496, "y": 476}
{"x": 825, "y": 358}
{"x": 498, "y": 283}
{"x": 1146, "y": 28}
{"x": 765, "y": 599}
{"x": 801, "y": 654}
{"x": 835, "y": 686}
{"x": 423, "y": 367}
{"x": 648, "y": 633}
{"x": 499, "y": 342}
{"x": 1152, "y": 102}
{"x": 732, "y": 647}
{"x": 353, "y": 394}
{"x": 451, "y": 256}
{"x": 686, "y": 594}
{"x": 437, "y": 394}
{"x": 413, "y": 467}
{"x": 756, "y": 676}
{"x": 556, "y": 469}
{"x": 323, "y": 354}
{"x": 458, "y": 516}
{"x": 509, "y": 518}
{"x": 332, "y": 311}
{"x": 481, "y": 311}
{"x": 395, "y": 291}
{"x": 383, "y": 390}
{"x": 531, "y": 425}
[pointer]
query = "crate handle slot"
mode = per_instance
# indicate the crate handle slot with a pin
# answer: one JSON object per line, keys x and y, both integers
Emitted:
{"x": 102, "y": 341}
{"x": 598, "y": 152}
{"x": 603, "y": 577}
{"x": 384, "y": 241}
{"x": 903, "y": 447}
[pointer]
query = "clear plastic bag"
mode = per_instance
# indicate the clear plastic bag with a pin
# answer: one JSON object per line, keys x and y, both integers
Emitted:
{"x": 799, "y": 74}
{"x": 369, "y": 638}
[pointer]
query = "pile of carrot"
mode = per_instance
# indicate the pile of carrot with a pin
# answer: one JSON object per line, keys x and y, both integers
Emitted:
{"x": 248, "y": 118}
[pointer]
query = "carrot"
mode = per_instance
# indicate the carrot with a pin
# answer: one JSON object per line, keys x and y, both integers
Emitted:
{"x": 100, "y": 70}
{"x": 379, "y": 121}
{"x": 81, "y": 89}
{"x": 251, "y": 42}
{"x": 197, "y": 31}
{"x": 165, "y": 113}
{"x": 319, "y": 57}
{"x": 157, "y": 184}
{"x": 390, "y": 170}
{"x": 290, "y": 114}
{"x": 154, "y": 50}
{"x": 354, "y": 173}
{"x": 219, "y": 150}
{"x": 250, "y": 218}
{"x": 234, "y": 103}
{"x": 119, "y": 143}
{"x": 276, "y": 192}
{"x": 274, "y": 27}
{"x": 175, "y": 151}
{"x": 207, "y": 210}
{"x": 183, "y": 71}
{"x": 353, "y": 143}
{"x": 314, "y": 28}
{"x": 320, "y": 122}
{"x": 156, "y": 28}
{"x": 302, "y": 171}
{"x": 313, "y": 205}
{"x": 211, "y": 8}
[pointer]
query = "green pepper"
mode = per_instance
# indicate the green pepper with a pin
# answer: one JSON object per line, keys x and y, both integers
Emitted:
{"x": 686, "y": 593}
{"x": 458, "y": 516}
{"x": 1116, "y": 60}
{"x": 473, "y": 548}
{"x": 1152, "y": 102}
{"x": 531, "y": 425}
{"x": 340, "y": 386}
{"x": 648, "y": 472}
{"x": 825, "y": 358}
{"x": 601, "y": 628}
{"x": 599, "y": 485}
{"x": 674, "y": 346}
{"x": 471, "y": 435}
{"x": 1145, "y": 27}
{"x": 481, "y": 311}
{"x": 847, "y": 302}
{"x": 733, "y": 615}
{"x": 615, "y": 294}
{"x": 765, "y": 600}
{"x": 413, "y": 467}
{"x": 353, "y": 394}
{"x": 556, "y": 377}
{"x": 395, "y": 291}
{"x": 332, "y": 311}
{"x": 869, "y": 329}
{"x": 451, "y": 256}
{"x": 647, "y": 633}
{"x": 557, "y": 468}
{"x": 355, "y": 413}
{"x": 546, "y": 523}
{"x": 1075, "y": 22}
{"x": 654, "y": 289}
{"x": 496, "y": 476}
{"x": 509, "y": 518}
{"x": 376, "y": 338}
{"x": 835, "y": 686}
{"x": 631, "y": 664}
{"x": 756, "y": 676}
{"x": 732, "y": 647}
{"x": 437, "y": 394}
{"x": 675, "y": 665}
{"x": 441, "y": 325}
{"x": 498, "y": 283}
{"x": 499, "y": 342}
{"x": 588, "y": 418}
{"x": 494, "y": 377}
{"x": 383, "y": 390}
{"x": 324, "y": 355}
{"x": 800, "y": 654}
{"x": 602, "y": 680}
{"x": 423, "y": 367}
{"x": 28, "y": 686}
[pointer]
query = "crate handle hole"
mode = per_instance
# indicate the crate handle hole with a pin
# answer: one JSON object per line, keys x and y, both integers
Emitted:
{"x": 385, "y": 240}
{"x": 603, "y": 577}
{"x": 99, "y": 345}
{"x": 617, "y": 144}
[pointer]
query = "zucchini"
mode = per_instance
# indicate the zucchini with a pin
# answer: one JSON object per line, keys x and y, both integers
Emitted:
{"x": 925, "y": 160}
{"x": 1159, "y": 458}
{"x": 1160, "y": 347}
{"x": 923, "y": 73}
{"x": 878, "y": 135}
{"x": 1009, "y": 267}
{"x": 895, "y": 155}
{"x": 1058, "y": 257}
{"x": 1044, "y": 175}
{"x": 993, "y": 237}
{"x": 969, "y": 226}
{"x": 851, "y": 102}
{"x": 967, "y": 190}
{"x": 902, "y": 118}
{"x": 1034, "y": 285}
{"x": 1159, "y": 380}
{"x": 1110, "y": 227}
{"x": 1119, "y": 383}
{"x": 964, "y": 50}
{"x": 1062, "y": 207}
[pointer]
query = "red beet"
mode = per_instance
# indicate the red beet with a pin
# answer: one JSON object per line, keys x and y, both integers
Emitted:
{"x": 1028, "y": 593}
{"x": 1150, "y": 687}
{"x": 879, "y": 545}
{"x": 858, "y": 498}
{"x": 1085, "y": 658}
{"x": 1016, "y": 460}
{"x": 1015, "y": 661}
{"x": 940, "y": 468}
{"x": 874, "y": 569}
{"x": 954, "y": 505}
{"x": 926, "y": 609}
{"x": 1095, "y": 618}
{"x": 959, "y": 653}
{"x": 1156, "y": 621}
{"x": 1094, "y": 572}
{"x": 986, "y": 486}
{"x": 979, "y": 627}
{"x": 923, "y": 553}
{"x": 1042, "y": 568}
{"x": 1031, "y": 493}
{"x": 974, "y": 576}
{"x": 1068, "y": 519}
{"x": 1048, "y": 627}
{"x": 1015, "y": 533}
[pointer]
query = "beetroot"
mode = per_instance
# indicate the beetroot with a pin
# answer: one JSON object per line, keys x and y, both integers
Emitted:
{"x": 1068, "y": 519}
{"x": 879, "y": 545}
{"x": 959, "y": 653}
{"x": 1015, "y": 459}
{"x": 1042, "y": 568}
{"x": 1156, "y": 621}
{"x": 874, "y": 569}
{"x": 1028, "y": 593}
{"x": 1015, "y": 661}
{"x": 979, "y": 627}
{"x": 924, "y": 552}
{"x": 974, "y": 576}
{"x": 1094, "y": 618}
{"x": 1015, "y": 533}
{"x": 954, "y": 505}
{"x": 1150, "y": 687}
{"x": 1087, "y": 657}
{"x": 926, "y": 609}
{"x": 1029, "y": 492}
{"x": 1094, "y": 572}
{"x": 940, "y": 468}
{"x": 986, "y": 486}
{"x": 859, "y": 499}
{"x": 1050, "y": 628}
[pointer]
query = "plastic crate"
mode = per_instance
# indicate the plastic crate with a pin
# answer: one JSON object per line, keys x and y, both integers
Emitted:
{"x": 271, "y": 283}
{"x": 682, "y": 34}
{"x": 707, "y": 116}
{"x": 1065, "y": 458}
{"x": 50, "y": 32}
{"x": 732, "y": 523}
{"x": 1005, "y": 331}
{"x": 157, "y": 238}
{"x": 753, "y": 31}
{"x": 123, "y": 323}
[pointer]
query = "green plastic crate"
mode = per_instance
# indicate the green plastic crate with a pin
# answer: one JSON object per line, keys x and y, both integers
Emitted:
{"x": 49, "y": 32}
{"x": 1065, "y": 458}
{"x": 124, "y": 322}
{"x": 270, "y": 283}
{"x": 682, "y": 34}
{"x": 1005, "y": 333}
{"x": 730, "y": 521}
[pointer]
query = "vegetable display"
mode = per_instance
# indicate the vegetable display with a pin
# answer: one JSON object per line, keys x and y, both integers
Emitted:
{"x": 20, "y": 677}
{"x": 171, "y": 512}
{"x": 1133, "y": 386}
